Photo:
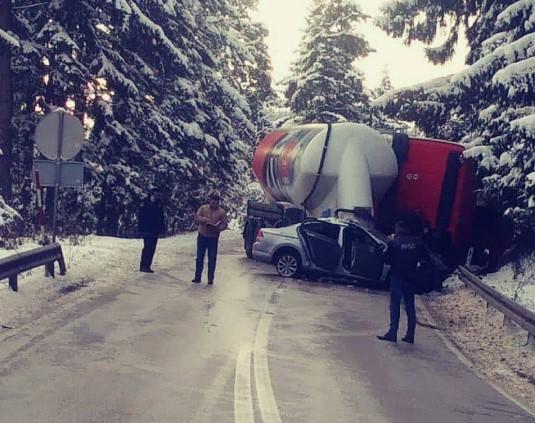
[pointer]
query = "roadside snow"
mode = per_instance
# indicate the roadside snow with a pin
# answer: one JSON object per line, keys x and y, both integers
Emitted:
{"x": 516, "y": 281}
{"x": 98, "y": 263}
{"x": 93, "y": 263}
{"x": 498, "y": 351}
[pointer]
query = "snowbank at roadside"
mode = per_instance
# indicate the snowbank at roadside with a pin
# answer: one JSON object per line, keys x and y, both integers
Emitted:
{"x": 93, "y": 262}
{"x": 497, "y": 351}
{"x": 516, "y": 281}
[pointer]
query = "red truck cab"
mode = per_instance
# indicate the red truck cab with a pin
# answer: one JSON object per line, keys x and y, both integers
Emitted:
{"x": 438, "y": 185}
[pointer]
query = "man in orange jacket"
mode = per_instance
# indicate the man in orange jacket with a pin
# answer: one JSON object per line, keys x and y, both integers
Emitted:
{"x": 212, "y": 220}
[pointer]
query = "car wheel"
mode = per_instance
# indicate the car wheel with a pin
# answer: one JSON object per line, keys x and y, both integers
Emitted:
{"x": 288, "y": 264}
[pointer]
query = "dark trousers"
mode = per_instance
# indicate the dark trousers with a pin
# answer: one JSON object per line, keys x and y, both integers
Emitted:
{"x": 205, "y": 243}
{"x": 149, "y": 247}
{"x": 398, "y": 290}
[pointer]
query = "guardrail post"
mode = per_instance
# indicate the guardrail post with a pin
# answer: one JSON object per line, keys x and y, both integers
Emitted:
{"x": 50, "y": 268}
{"x": 62, "y": 267}
{"x": 530, "y": 341}
{"x": 507, "y": 322}
{"x": 13, "y": 283}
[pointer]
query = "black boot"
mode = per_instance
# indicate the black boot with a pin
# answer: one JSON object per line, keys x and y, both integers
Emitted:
{"x": 388, "y": 337}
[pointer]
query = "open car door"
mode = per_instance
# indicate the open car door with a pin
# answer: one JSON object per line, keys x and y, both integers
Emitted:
{"x": 363, "y": 255}
{"x": 322, "y": 242}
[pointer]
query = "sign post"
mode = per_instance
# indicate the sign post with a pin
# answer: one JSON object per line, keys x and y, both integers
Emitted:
{"x": 59, "y": 137}
{"x": 58, "y": 173}
{"x": 40, "y": 218}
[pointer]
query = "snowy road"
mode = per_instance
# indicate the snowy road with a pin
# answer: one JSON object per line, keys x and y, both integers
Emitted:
{"x": 252, "y": 348}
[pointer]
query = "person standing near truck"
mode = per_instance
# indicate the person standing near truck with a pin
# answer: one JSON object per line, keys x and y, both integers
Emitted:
{"x": 151, "y": 223}
{"x": 404, "y": 252}
{"x": 212, "y": 220}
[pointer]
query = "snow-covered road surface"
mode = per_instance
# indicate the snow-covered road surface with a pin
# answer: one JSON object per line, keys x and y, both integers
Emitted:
{"x": 251, "y": 348}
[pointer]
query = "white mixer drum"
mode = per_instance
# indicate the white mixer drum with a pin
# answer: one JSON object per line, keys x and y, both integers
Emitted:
{"x": 358, "y": 167}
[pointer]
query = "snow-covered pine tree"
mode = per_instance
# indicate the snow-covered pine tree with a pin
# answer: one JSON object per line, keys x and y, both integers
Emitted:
{"x": 379, "y": 119}
{"x": 249, "y": 65}
{"x": 385, "y": 85}
{"x": 228, "y": 113}
{"x": 325, "y": 86}
{"x": 428, "y": 104}
{"x": 161, "y": 113}
{"x": 258, "y": 88}
{"x": 46, "y": 73}
{"x": 7, "y": 43}
{"x": 145, "y": 132}
{"x": 253, "y": 72}
{"x": 491, "y": 102}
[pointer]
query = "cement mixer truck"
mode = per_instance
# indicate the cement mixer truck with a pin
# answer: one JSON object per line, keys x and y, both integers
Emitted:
{"x": 315, "y": 170}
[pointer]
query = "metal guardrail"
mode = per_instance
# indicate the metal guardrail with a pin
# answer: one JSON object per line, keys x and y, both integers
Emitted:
{"x": 510, "y": 309}
{"x": 12, "y": 266}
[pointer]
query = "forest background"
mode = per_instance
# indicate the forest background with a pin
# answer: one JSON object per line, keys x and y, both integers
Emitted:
{"x": 175, "y": 94}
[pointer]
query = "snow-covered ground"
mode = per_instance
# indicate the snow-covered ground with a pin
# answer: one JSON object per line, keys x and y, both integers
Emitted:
{"x": 95, "y": 263}
{"x": 498, "y": 351}
{"x": 92, "y": 263}
{"x": 519, "y": 288}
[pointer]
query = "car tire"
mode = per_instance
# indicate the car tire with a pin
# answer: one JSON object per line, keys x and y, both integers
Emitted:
{"x": 288, "y": 264}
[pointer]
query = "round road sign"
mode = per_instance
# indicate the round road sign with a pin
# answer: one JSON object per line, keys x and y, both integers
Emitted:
{"x": 49, "y": 135}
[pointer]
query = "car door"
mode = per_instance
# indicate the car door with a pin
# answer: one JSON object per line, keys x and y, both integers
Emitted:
{"x": 363, "y": 255}
{"x": 321, "y": 242}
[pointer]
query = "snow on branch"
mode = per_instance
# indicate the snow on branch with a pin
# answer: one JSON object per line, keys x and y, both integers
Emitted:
{"x": 423, "y": 87}
{"x": 157, "y": 29}
{"x": 507, "y": 54}
{"x": 515, "y": 73}
{"x": 526, "y": 124}
{"x": 8, "y": 216}
{"x": 9, "y": 39}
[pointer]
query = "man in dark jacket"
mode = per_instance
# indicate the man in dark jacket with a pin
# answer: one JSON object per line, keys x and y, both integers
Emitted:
{"x": 404, "y": 253}
{"x": 151, "y": 223}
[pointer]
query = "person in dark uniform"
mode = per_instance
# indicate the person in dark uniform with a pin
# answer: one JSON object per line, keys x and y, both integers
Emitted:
{"x": 403, "y": 254}
{"x": 151, "y": 223}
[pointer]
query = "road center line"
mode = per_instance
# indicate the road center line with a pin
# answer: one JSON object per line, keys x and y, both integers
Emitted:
{"x": 243, "y": 399}
{"x": 264, "y": 389}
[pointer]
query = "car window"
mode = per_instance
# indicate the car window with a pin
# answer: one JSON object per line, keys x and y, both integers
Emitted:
{"x": 323, "y": 228}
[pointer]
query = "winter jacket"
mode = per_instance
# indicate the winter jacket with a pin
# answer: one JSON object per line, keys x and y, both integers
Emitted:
{"x": 217, "y": 221}
{"x": 403, "y": 254}
{"x": 151, "y": 220}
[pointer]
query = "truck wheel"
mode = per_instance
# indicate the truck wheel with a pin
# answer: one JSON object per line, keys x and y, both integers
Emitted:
{"x": 288, "y": 264}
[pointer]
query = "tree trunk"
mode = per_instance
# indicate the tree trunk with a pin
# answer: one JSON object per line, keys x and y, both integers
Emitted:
{"x": 6, "y": 106}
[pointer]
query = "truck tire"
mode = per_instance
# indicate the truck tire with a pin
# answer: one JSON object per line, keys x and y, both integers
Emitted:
{"x": 288, "y": 263}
